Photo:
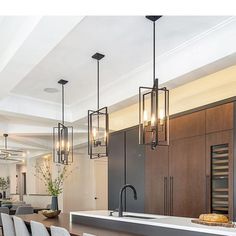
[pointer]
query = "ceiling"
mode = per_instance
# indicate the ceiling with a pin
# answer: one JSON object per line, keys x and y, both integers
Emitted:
{"x": 36, "y": 51}
{"x": 126, "y": 42}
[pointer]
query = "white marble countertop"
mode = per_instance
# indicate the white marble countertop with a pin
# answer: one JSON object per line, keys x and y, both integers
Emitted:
{"x": 181, "y": 223}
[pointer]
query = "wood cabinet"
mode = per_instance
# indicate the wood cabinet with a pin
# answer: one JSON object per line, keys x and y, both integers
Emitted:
{"x": 156, "y": 177}
{"x": 187, "y": 177}
{"x": 189, "y": 125}
{"x": 219, "y": 118}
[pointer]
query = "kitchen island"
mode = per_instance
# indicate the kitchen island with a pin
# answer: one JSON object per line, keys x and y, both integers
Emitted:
{"x": 146, "y": 224}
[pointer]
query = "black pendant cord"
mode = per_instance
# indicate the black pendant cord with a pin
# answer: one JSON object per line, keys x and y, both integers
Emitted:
{"x": 63, "y": 109}
{"x": 154, "y": 52}
{"x": 98, "y": 102}
{"x": 98, "y": 85}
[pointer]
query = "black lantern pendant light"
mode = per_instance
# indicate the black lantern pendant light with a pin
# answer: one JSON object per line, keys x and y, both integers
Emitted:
{"x": 154, "y": 108}
{"x": 63, "y": 137}
{"x": 98, "y": 126}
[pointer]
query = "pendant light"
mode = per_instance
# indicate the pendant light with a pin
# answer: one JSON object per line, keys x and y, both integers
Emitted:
{"x": 154, "y": 108}
{"x": 98, "y": 126}
{"x": 63, "y": 136}
{"x": 10, "y": 153}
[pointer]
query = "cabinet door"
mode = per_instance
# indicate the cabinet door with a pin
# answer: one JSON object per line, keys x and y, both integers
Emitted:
{"x": 135, "y": 159}
{"x": 213, "y": 140}
{"x": 186, "y": 126}
{"x": 156, "y": 173}
{"x": 187, "y": 177}
{"x": 219, "y": 118}
{"x": 116, "y": 167}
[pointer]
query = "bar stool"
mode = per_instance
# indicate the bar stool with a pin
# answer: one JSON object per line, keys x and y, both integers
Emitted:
{"x": 58, "y": 231}
{"x": 38, "y": 229}
{"x": 20, "y": 227}
{"x": 24, "y": 210}
{"x": 8, "y": 226}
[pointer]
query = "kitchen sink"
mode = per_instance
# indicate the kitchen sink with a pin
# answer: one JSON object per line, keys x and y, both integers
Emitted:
{"x": 140, "y": 217}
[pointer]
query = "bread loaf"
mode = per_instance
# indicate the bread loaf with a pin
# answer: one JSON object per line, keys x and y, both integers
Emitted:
{"x": 217, "y": 218}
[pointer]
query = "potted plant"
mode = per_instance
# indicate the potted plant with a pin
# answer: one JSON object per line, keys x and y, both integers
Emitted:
{"x": 4, "y": 185}
{"x": 54, "y": 185}
{"x": 6, "y": 204}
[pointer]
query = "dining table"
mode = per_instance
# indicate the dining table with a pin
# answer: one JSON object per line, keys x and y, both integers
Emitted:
{"x": 63, "y": 220}
{"x": 36, "y": 210}
{"x": 75, "y": 229}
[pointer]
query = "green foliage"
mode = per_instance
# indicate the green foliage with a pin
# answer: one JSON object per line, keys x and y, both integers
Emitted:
{"x": 6, "y": 202}
{"x": 54, "y": 185}
{"x": 4, "y": 183}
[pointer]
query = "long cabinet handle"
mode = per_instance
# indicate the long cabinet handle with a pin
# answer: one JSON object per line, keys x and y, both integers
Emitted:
{"x": 165, "y": 195}
{"x": 208, "y": 184}
{"x": 171, "y": 194}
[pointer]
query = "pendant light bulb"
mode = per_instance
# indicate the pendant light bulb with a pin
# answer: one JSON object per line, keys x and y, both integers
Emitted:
{"x": 94, "y": 133}
{"x": 145, "y": 118}
{"x": 161, "y": 116}
{"x": 153, "y": 120}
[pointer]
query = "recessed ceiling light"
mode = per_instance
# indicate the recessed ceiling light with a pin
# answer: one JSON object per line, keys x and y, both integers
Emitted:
{"x": 50, "y": 90}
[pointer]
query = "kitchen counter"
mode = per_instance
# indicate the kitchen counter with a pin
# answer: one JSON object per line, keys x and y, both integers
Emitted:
{"x": 149, "y": 225}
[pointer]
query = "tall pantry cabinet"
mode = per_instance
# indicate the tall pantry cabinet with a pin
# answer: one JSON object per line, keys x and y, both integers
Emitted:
{"x": 184, "y": 170}
{"x": 194, "y": 174}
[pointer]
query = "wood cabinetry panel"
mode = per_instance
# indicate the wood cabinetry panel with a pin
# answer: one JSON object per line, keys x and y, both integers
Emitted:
{"x": 219, "y": 118}
{"x": 187, "y": 170}
{"x": 156, "y": 169}
{"x": 187, "y": 125}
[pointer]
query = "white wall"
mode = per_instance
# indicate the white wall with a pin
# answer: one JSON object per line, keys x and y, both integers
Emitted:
{"x": 206, "y": 90}
{"x": 12, "y": 175}
{"x": 79, "y": 187}
{"x": 37, "y": 200}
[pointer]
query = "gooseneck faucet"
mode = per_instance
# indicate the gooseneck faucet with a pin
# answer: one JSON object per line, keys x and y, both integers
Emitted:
{"x": 121, "y": 197}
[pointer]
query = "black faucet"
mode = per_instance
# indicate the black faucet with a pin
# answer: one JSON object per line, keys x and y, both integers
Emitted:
{"x": 121, "y": 197}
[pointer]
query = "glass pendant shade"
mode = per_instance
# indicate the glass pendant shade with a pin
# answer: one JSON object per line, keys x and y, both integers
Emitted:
{"x": 63, "y": 138}
{"x": 154, "y": 108}
{"x": 98, "y": 124}
{"x": 98, "y": 133}
{"x": 63, "y": 143}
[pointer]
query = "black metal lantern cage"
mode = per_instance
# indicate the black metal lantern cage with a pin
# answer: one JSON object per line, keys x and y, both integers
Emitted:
{"x": 98, "y": 128}
{"x": 153, "y": 125}
{"x": 63, "y": 144}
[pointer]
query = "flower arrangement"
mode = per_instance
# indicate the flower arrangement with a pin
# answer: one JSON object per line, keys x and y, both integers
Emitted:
{"x": 4, "y": 183}
{"x": 54, "y": 185}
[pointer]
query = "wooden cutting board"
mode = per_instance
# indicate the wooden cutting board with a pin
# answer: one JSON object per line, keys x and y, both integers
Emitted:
{"x": 201, "y": 222}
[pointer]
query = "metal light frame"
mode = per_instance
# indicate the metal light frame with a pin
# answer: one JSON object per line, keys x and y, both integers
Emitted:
{"x": 10, "y": 154}
{"x": 155, "y": 132}
{"x": 63, "y": 137}
{"x": 97, "y": 143}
